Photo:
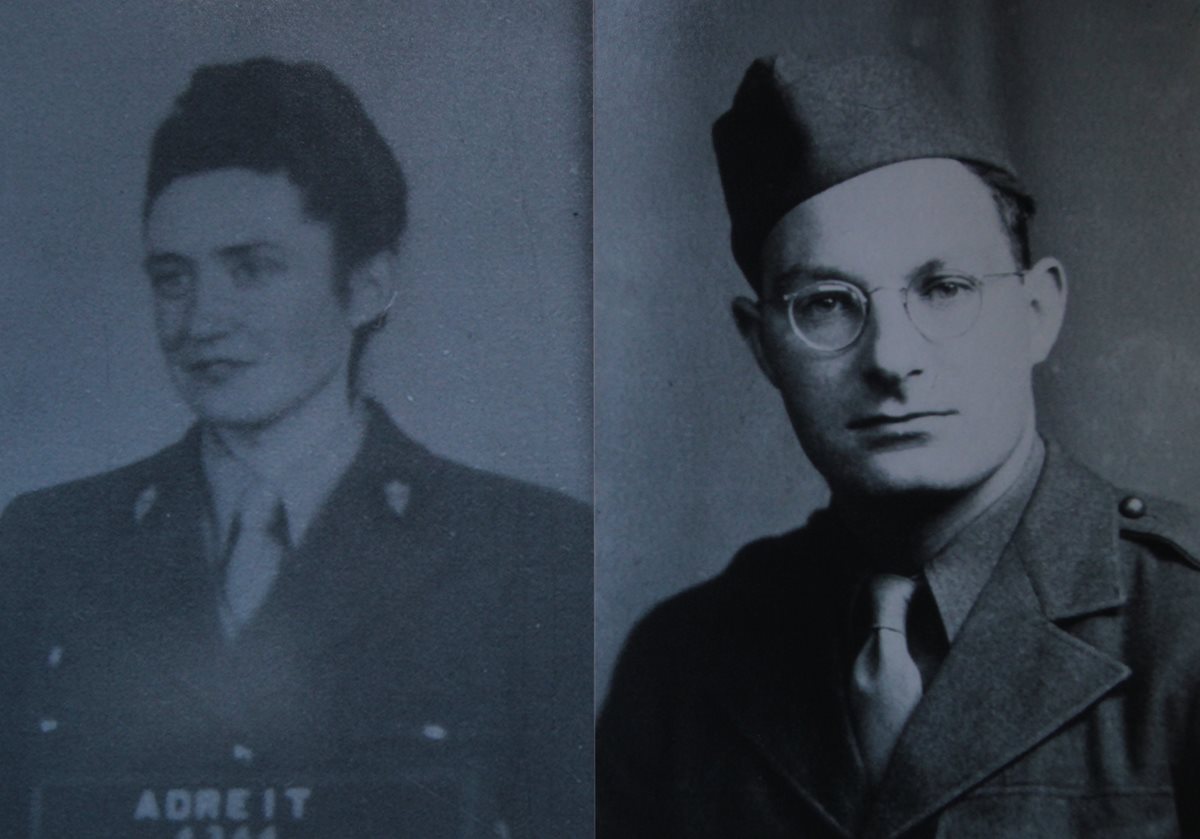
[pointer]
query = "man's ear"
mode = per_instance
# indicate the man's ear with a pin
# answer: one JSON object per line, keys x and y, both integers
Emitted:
{"x": 371, "y": 289}
{"x": 1046, "y": 289}
{"x": 749, "y": 320}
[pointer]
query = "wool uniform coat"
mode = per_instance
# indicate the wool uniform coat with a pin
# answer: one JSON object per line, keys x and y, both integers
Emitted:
{"x": 421, "y": 666}
{"x": 1067, "y": 705}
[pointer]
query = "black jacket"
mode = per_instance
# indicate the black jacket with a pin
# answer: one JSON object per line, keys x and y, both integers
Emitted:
{"x": 421, "y": 667}
{"x": 1067, "y": 705}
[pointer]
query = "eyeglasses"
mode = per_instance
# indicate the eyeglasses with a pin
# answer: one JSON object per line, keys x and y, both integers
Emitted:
{"x": 830, "y": 315}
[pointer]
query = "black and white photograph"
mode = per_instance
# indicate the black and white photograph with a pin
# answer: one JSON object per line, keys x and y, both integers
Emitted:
{"x": 527, "y": 419}
{"x": 296, "y": 420}
{"x": 897, "y": 377}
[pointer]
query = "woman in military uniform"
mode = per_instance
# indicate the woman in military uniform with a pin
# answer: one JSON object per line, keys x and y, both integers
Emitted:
{"x": 295, "y": 621}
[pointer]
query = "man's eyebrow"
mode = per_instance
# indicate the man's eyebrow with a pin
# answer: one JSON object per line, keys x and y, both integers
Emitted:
{"x": 929, "y": 266}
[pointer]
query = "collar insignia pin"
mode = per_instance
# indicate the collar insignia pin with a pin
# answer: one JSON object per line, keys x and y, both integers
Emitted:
{"x": 397, "y": 495}
{"x": 144, "y": 503}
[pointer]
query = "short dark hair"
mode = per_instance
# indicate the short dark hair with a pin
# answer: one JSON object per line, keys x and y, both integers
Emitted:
{"x": 1015, "y": 206}
{"x": 298, "y": 118}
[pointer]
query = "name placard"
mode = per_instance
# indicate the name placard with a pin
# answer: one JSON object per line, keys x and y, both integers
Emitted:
{"x": 431, "y": 805}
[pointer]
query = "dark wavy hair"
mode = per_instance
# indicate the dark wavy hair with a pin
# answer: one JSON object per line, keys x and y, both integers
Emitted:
{"x": 298, "y": 118}
{"x": 1015, "y": 206}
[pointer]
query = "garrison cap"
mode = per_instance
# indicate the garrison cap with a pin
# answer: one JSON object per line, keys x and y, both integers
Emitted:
{"x": 800, "y": 126}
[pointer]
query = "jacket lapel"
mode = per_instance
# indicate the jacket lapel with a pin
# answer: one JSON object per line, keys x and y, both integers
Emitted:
{"x": 786, "y": 695}
{"x": 165, "y": 551}
{"x": 1013, "y": 677}
{"x": 349, "y": 564}
{"x": 164, "y": 587}
{"x": 803, "y": 730}
{"x": 353, "y": 560}
{"x": 352, "y": 564}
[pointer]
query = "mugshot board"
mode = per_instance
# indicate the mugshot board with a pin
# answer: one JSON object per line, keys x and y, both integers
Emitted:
{"x": 441, "y": 570}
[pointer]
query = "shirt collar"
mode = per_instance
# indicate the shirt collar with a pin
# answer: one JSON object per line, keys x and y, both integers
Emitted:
{"x": 303, "y": 480}
{"x": 957, "y": 574}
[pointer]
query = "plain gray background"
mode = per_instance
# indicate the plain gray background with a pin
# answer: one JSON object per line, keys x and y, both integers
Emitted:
{"x": 1101, "y": 104}
{"x": 487, "y": 357}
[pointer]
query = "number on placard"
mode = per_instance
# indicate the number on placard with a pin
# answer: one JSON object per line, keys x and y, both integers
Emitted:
{"x": 215, "y": 831}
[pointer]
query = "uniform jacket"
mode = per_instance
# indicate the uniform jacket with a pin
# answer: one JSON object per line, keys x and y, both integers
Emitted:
{"x": 1065, "y": 707}
{"x": 432, "y": 632}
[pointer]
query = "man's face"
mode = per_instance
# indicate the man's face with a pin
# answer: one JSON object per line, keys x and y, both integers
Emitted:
{"x": 244, "y": 298}
{"x": 895, "y": 411}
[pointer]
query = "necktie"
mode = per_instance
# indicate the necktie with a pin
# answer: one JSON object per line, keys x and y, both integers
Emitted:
{"x": 885, "y": 684}
{"x": 259, "y": 540}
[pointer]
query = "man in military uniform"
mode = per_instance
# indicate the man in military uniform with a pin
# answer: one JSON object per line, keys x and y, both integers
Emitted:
{"x": 978, "y": 636}
{"x": 295, "y": 621}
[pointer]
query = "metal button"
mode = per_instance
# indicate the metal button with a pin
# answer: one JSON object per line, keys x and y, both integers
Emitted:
{"x": 242, "y": 754}
{"x": 55, "y": 657}
{"x": 1132, "y": 507}
{"x": 433, "y": 731}
{"x": 47, "y": 725}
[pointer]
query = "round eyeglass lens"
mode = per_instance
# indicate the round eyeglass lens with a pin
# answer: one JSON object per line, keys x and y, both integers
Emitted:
{"x": 828, "y": 316}
{"x": 944, "y": 306}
